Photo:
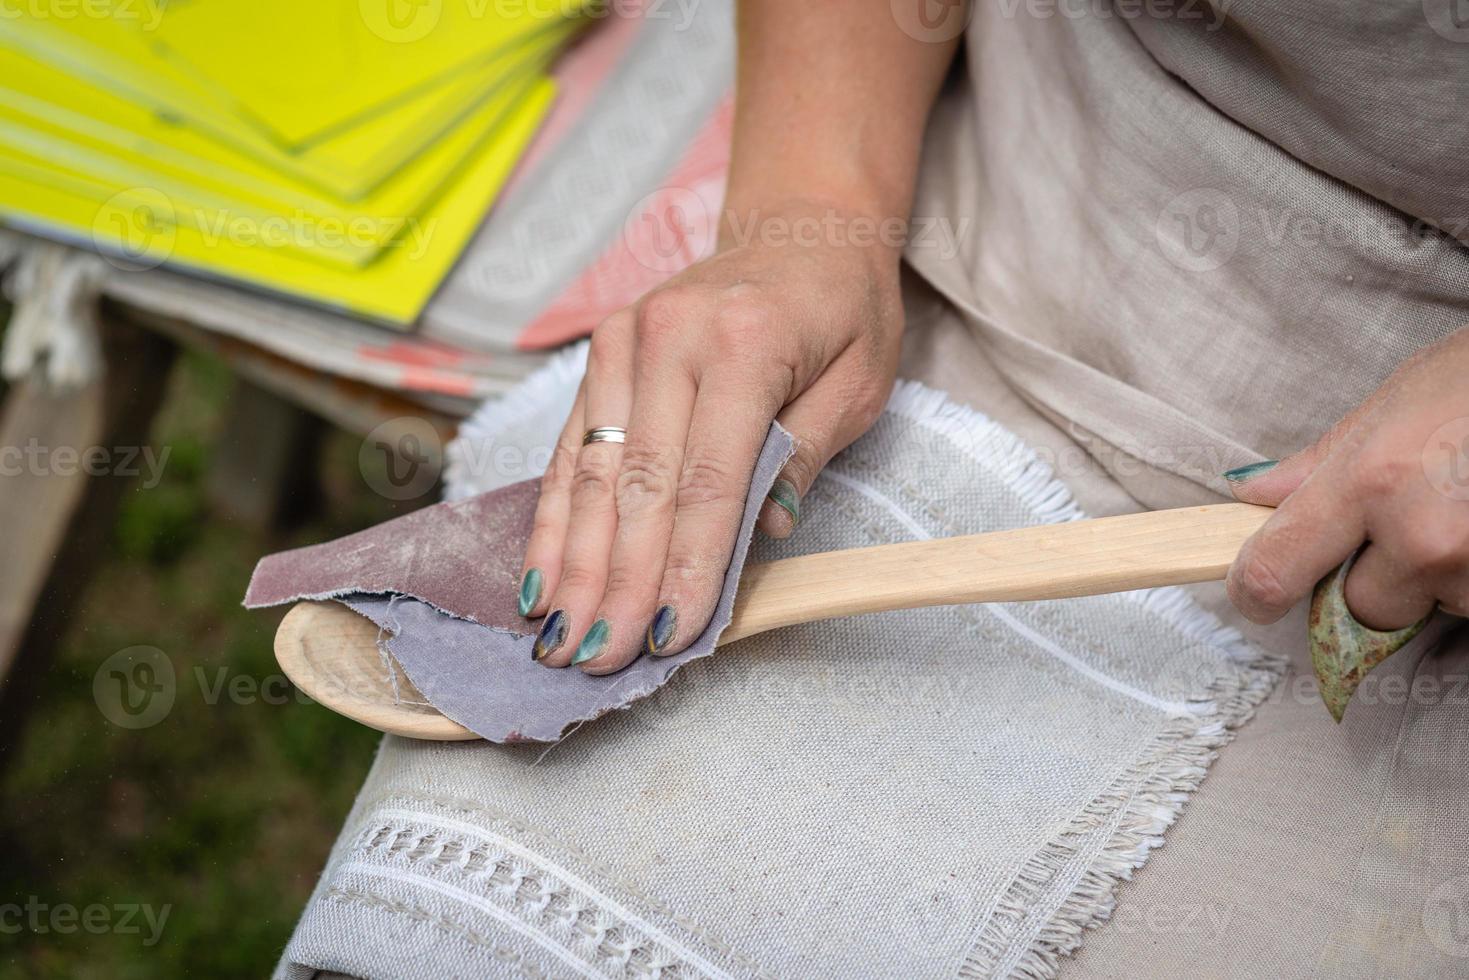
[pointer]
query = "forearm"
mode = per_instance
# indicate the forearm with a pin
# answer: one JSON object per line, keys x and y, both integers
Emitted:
{"x": 831, "y": 105}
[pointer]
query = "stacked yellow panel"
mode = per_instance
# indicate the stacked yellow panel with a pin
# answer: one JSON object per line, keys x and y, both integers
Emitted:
{"x": 341, "y": 151}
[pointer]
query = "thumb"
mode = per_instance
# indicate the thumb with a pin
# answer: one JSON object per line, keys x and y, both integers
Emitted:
{"x": 824, "y": 419}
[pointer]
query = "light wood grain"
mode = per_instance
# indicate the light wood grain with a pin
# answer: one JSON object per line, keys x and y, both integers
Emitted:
{"x": 331, "y": 653}
{"x": 1050, "y": 561}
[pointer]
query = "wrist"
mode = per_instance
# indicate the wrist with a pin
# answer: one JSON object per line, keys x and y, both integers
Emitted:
{"x": 772, "y": 220}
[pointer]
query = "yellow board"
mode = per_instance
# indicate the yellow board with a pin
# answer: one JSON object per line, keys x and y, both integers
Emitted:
{"x": 302, "y": 70}
{"x": 294, "y": 69}
{"x": 143, "y": 228}
{"x": 135, "y": 148}
{"x": 112, "y": 57}
{"x": 209, "y": 193}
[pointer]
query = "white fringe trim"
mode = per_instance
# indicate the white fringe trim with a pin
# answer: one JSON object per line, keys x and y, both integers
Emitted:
{"x": 541, "y": 391}
{"x": 1030, "y": 928}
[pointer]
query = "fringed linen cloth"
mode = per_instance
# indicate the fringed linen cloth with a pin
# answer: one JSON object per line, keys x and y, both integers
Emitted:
{"x": 931, "y": 793}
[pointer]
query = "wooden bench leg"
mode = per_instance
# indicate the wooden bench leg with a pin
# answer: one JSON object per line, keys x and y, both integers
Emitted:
{"x": 263, "y": 473}
{"x": 65, "y": 460}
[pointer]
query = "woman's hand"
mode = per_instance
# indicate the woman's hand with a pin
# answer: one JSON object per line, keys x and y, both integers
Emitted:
{"x": 1393, "y": 474}
{"x": 631, "y": 541}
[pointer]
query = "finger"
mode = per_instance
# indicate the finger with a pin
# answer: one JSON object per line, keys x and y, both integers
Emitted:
{"x": 592, "y": 522}
{"x": 541, "y": 569}
{"x": 1384, "y": 591}
{"x": 726, "y": 433}
{"x": 1270, "y": 481}
{"x": 647, "y": 492}
{"x": 1312, "y": 532}
{"x": 824, "y": 419}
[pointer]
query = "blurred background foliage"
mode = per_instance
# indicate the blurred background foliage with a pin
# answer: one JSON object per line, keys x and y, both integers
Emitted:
{"x": 223, "y": 812}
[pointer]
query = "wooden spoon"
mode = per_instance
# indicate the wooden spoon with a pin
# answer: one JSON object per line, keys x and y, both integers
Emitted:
{"x": 331, "y": 653}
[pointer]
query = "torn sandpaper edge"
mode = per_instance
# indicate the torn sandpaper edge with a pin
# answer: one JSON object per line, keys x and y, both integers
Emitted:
{"x": 442, "y": 581}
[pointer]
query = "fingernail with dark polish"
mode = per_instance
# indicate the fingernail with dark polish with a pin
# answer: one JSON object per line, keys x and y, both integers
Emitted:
{"x": 661, "y": 629}
{"x": 591, "y": 645}
{"x": 1244, "y": 474}
{"x": 784, "y": 494}
{"x": 552, "y": 635}
{"x": 530, "y": 590}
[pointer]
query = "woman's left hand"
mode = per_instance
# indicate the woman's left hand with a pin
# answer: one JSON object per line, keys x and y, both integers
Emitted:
{"x": 1394, "y": 474}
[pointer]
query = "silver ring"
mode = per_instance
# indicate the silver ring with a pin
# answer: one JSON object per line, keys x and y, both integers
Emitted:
{"x": 604, "y": 433}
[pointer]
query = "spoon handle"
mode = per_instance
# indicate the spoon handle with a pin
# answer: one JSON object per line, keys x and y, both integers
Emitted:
{"x": 1051, "y": 561}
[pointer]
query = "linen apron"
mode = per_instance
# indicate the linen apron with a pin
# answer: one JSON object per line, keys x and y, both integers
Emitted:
{"x": 1179, "y": 239}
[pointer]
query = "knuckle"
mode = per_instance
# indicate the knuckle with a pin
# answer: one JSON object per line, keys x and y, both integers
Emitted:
{"x": 559, "y": 468}
{"x": 707, "y": 477}
{"x": 664, "y": 314}
{"x": 542, "y": 526}
{"x": 594, "y": 476}
{"x": 869, "y": 399}
{"x": 684, "y": 572}
{"x": 611, "y": 336}
{"x": 578, "y": 578}
{"x": 1260, "y": 584}
{"x": 649, "y": 476}
{"x": 1434, "y": 549}
{"x": 803, "y": 466}
{"x": 626, "y": 581}
{"x": 744, "y": 317}
{"x": 1377, "y": 474}
{"x": 741, "y": 328}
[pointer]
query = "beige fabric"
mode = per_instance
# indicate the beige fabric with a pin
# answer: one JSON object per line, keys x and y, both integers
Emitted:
{"x": 1191, "y": 248}
{"x": 1310, "y": 849}
{"x": 1159, "y": 267}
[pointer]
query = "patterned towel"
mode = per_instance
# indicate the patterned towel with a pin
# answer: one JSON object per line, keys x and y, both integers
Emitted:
{"x": 931, "y": 793}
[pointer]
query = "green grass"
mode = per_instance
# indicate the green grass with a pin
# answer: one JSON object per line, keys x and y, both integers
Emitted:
{"x": 222, "y": 812}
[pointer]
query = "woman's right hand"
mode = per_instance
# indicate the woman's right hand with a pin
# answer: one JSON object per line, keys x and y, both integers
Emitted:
{"x": 800, "y": 323}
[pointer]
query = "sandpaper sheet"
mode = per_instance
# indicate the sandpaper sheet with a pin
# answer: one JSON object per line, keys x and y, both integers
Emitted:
{"x": 441, "y": 583}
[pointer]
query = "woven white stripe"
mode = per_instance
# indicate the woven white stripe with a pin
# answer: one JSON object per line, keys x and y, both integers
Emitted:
{"x": 1003, "y": 615}
{"x": 483, "y": 904}
{"x": 520, "y": 850}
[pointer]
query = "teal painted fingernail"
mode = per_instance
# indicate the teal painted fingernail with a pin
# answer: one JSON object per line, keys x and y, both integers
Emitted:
{"x": 591, "y": 645}
{"x": 784, "y": 494}
{"x": 530, "y": 590}
{"x": 661, "y": 629}
{"x": 1244, "y": 474}
{"x": 552, "y": 635}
